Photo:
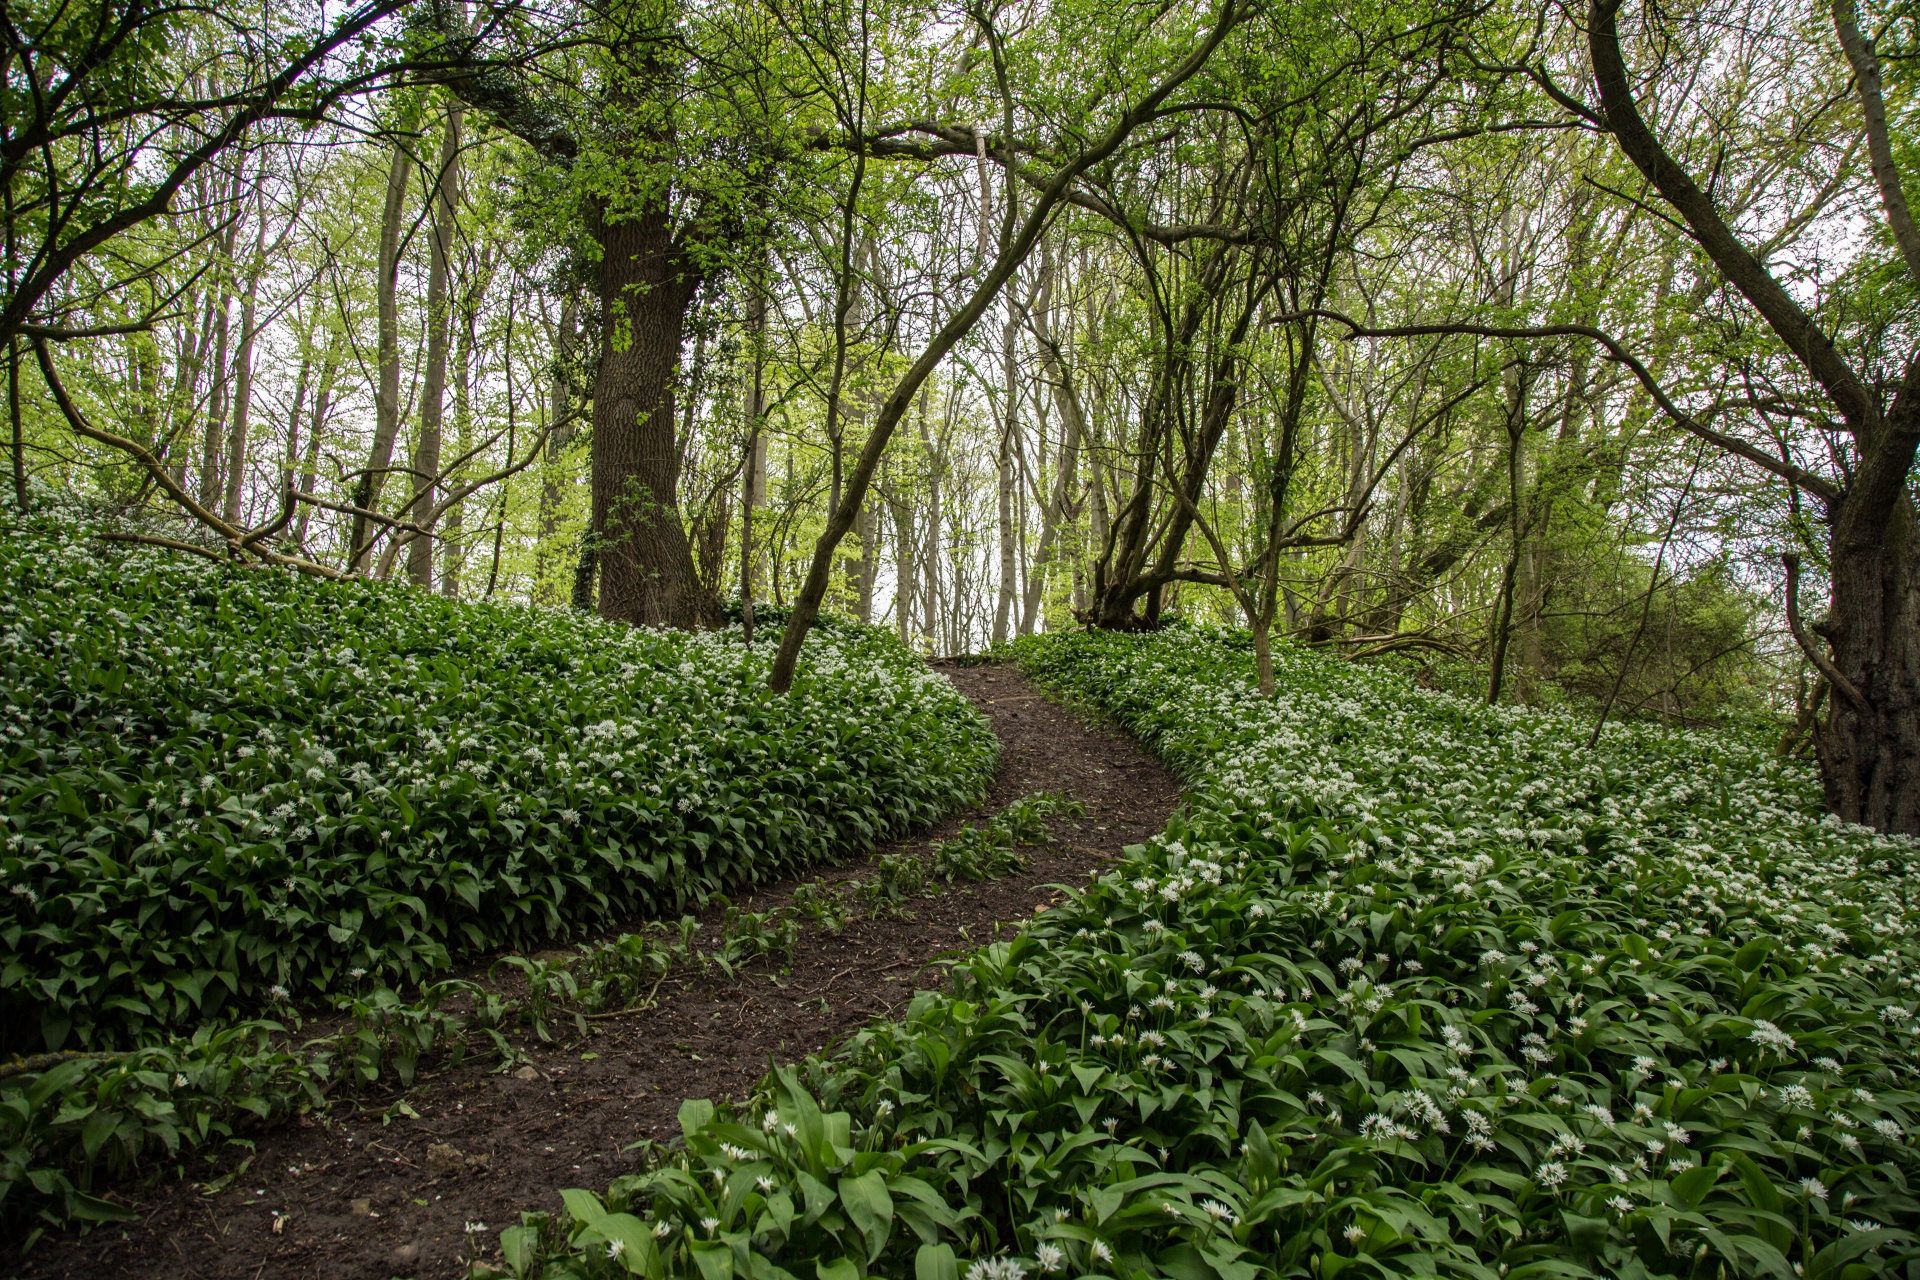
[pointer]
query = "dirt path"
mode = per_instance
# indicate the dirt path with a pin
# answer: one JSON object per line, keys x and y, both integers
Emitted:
{"x": 359, "y": 1197}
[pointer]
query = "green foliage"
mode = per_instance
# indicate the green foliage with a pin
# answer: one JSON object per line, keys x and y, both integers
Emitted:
{"x": 986, "y": 853}
{"x": 220, "y": 783}
{"x": 228, "y": 790}
{"x": 71, "y": 1126}
{"x": 1416, "y": 987}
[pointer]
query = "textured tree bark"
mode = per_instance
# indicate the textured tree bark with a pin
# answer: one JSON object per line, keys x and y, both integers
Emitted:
{"x": 645, "y": 561}
{"x": 1869, "y": 750}
{"x": 236, "y": 481}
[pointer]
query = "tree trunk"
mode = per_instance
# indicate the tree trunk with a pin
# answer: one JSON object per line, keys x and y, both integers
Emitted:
{"x": 242, "y": 401}
{"x": 433, "y": 390}
{"x": 19, "y": 436}
{"x": 1870, "y": 754}
{"x": 386, "y": 394}
{"x": 216, "y": 403}
{"x": 546, "y": 591}
{"x": 322, "y": 401}
{"x": 453, "y": 554}
{"x": 1516, "y": 426}
{"x": 1003, "y": 477}
{"x": 864, "y": 567}
{"x": 930, "y": 545}
{"x": 645, "y": 563}
{"x": 290, "y": 468}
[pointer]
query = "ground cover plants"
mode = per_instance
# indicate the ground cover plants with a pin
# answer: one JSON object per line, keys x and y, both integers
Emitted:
{"x": 228, "y": 793}
{"x": 1415, "y": 987}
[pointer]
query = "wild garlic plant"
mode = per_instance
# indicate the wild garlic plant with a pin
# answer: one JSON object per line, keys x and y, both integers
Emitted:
{"x": 1413, "y": 987}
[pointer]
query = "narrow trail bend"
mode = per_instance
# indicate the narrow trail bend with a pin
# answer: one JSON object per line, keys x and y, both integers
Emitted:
{"x": 360, "y": 1197}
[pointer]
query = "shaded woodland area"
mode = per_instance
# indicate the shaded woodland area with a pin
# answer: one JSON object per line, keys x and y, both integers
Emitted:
{"x": 1554, "y": 354}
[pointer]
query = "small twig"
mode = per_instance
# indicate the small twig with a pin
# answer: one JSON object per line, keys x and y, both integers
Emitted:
{"x": 830, "y": 981}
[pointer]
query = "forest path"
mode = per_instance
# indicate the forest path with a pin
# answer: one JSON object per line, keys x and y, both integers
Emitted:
{"x": 366, "y": 1196}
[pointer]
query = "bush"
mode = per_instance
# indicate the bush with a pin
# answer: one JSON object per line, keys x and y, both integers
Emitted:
{"x": 1416, "y": 987}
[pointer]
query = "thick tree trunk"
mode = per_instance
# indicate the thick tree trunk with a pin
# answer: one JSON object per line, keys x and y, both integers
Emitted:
{"x": 645, "y": 562}
{"x": 1870, "y": 755}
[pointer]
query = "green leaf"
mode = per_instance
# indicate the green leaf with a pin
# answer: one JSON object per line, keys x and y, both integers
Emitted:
{"x": 935, "y": 1262}
{"x": 871, "y": 1208}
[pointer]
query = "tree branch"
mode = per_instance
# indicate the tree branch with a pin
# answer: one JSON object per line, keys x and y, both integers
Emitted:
{"x": 1866, "y": 79}
{"x": 1813, "y": 483}
{"x": 1845, "y": 687}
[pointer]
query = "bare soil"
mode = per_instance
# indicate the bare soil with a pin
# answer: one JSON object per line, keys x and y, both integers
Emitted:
{"x": 369, "y": 1192}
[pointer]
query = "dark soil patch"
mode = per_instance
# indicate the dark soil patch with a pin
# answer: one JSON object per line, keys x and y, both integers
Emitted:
{"x": 356, "y": 1196}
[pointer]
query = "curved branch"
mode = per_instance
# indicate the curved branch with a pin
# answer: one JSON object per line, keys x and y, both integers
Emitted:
{"x": 1845, "y": 687}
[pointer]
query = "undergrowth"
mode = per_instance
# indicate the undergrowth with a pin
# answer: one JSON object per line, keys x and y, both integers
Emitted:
{"x": 229, "y": 793}
{"x": 1416, "y": 987}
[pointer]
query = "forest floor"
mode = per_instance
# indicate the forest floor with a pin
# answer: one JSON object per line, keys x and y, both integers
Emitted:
{"x": 371, "y": 1192}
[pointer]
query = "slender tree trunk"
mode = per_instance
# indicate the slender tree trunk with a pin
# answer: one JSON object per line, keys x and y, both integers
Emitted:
{"x": 552, "y": 495}
{"x": 215, "y": 438}
{"x": 903, "y": 586}
{"x": 930, "y": 545}
{"x": 189, "y": 352}
{"x": 453, "y": 553}
{"x": 322, "y": 401}
{"x": 290, "y": 466}
{"x": 1516, "y": 425}
{"x": 386, "y": 396}
{"x": 864, "y": 567}
{"x": 19, "y": 435}
{"x": 433, "y": 389}
{"x": 242, "y": 401}
{"x": 1003, "y": 475}
{"x": 645, "y": 562}
{"x": 753, "y": 483}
